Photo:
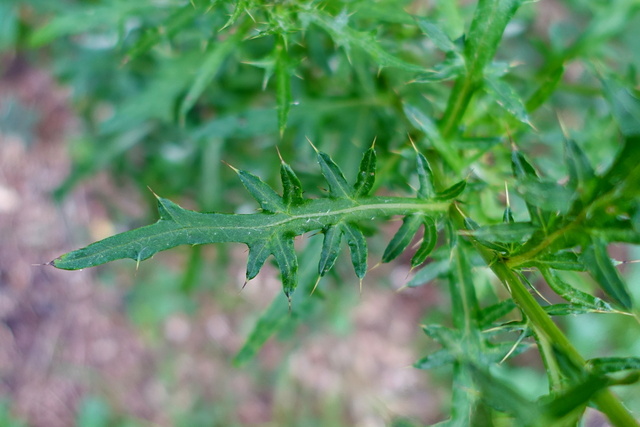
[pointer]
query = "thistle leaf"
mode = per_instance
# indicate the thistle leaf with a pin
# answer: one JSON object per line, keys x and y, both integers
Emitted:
{"x": 366, "y": 174}
{"x": 258, "y": 254}
{"x": 436, "y": 34}
{"x": 428, "y": 273}
{"x": 403, "y": 237}
{"x": 285, "y": 255}
{"x": 429, "y": 241}
{"x": 505, "y": 96}
{"x": 572, "y": 294}
{"x": 268, "y": 199}
{"x": 358, "y": 247}
{"x": 338, "y": 186}
{"x": 599, "y": 265}
{"x": 514, "y": 232}
{"x": 425, "y": 177}
{"x": 452, "y": 192}
{"x": 609, "y": 365}
{"x": 330, "y": 249}
{"x": 291, "y": 186}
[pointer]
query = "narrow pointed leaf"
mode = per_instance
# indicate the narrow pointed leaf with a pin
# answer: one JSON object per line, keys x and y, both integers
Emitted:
{"x": 435, "y": 360}
{"x": 403, "y": 237}
{"x": 268, "y": 199}
{"x": 436, "y": 34}
{"x": 291, "y": 186}
{"x": 338, "y": 186}
{"x": 494, "y": 312}
{"x": 506, "y": 232}
{"x": 602, "y": 270}
{"x": 580, "y": 170}
{"x": 505, "y": 96}
{"x": 429, "y": 241}
{"x": 330, "y": 249}
{"x": 258, "y": 254}
{"x": 452, "y": 192}
{"x": 521, "y": 166}
{"x": 283, "y": 85}
{"x": 571, "y": 294}
{"x": 425, "y": 178}
{"x": 507, "y": 216}
{"x": 429, "y": 272}
{"x": 285, "y": 255}
{"x": 358, "y": 247}
{"x": 208, "y": 70}
{"x": 609, "y": 365}
{"x": 566, "y": 260}
{"x": 366, "y": 174}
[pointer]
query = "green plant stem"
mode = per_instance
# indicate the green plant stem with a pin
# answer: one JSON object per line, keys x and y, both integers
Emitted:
{"x": 544, "y": 327}
{"x": 458, "y": 102}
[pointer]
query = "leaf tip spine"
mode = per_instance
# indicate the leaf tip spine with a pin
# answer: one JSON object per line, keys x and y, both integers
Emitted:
{"x": 312, "y": 146}
{"x": 236, "y": 170}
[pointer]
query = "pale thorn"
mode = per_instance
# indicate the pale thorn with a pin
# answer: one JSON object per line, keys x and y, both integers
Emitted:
{"x": 236, "y": 170}
{"x": 316, "y": 285}
{"x": 506, "y": 192}
{"x": 313, "y": 146}
{"x": 373, "y": 144}
{"x": 279, "y": 155}
{"x": 360, "y": 286}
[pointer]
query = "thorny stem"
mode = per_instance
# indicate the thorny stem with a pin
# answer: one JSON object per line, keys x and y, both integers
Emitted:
{"x": 544, "y": 327}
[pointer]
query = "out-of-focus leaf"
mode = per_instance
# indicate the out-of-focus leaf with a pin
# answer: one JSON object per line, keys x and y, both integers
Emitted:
{"x": 429, "y": 272}
{"x": 494, "y": 312}
{"x": 625, "y": 104}
{"x": 427, "y": 125}
{"x": 449, "y": 69}
{"x": 436, "y": 34}
{"x": 507, "y": 232}
{"x": 599, "y": 265}
{"x": 452, "y": 192}
{"x": 283, "y": 84}
{"x": 609, "y": 365}
{"x": 565, "y": 260}
{"x": 435, "y": 360}
{"x": 213, "y": 60}
{"x": 507, "y": 98}
{"x": 547, "y": 196}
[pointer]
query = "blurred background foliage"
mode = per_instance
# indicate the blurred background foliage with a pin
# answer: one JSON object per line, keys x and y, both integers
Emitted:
{"x": 165, "y": 90}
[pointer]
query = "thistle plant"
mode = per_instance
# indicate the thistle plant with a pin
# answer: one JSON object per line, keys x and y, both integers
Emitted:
{"x": 472, "y": 193}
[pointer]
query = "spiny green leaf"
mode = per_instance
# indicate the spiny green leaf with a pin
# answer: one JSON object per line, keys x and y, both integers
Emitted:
{"x": 425, "y": 177}
{"x": 429, "y": 241}
{"x": 581, "y": 172}
{"x": 449, "y": 69}
{"x": 505, "y": 96}
{"x": 545, "y": 195}
{"x": 435, "y": 360}
{"x": 496, "y": 311}
{"x": 403, "y": 237}
{"x": 436, "y": 34}
{"x": 283, "y": 84}
{"x": 338, "y": 186}
{"x": 452, "y": 192}
{"x": 609, "y": 365}
{"x": 285, "y": 255}
{"x": 330, "y": 249}
{"x": 521, "y": 166}
{"x": 258, "y": 254}
{"x": 565, "y": 260}
{"x": 268, "y": 199}
{"x": 506, "y": 232}
{"x": 291, "y": 186}
{"x": 345, "y": 36}
{"x": 241, "y": 6}
{"x": 366, "y": 174}
{"x": 572, "y": 294}
{"x": 599, "y": 265}
{"x": 358, "y": 247}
